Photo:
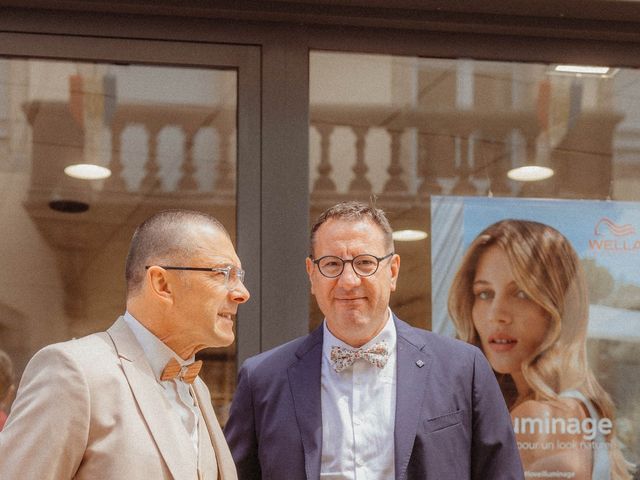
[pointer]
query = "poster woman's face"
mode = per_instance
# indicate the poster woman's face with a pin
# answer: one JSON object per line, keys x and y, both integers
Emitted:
{"x": 510, "y": 325}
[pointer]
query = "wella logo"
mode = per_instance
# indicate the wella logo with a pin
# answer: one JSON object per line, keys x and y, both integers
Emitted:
{"x": 618, "y": 230}
{"x": 605, "y": 227}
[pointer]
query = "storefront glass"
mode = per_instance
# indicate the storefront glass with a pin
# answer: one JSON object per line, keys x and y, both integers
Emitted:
{"x": 164, "y": 136}
{"x": 435, "y": 143}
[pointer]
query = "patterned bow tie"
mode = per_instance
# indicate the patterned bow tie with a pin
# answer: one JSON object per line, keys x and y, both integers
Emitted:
{"x": 186, "y": 373}
{"x": 342, "y": 358}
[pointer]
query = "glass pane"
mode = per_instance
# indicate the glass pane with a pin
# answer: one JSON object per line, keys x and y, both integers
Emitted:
{"x": 437, "y": 140}
{"x": 166, "y": 135}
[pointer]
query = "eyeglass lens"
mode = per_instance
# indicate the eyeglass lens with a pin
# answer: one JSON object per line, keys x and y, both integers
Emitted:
{"x": 363, "y": 265}
{"x": 234, "y": 276}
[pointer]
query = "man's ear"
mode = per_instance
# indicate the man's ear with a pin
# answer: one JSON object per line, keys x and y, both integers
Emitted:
{"x": 310, "y": 266}
{"x": 395, "y": 271}
{"x": 159, "y": 283}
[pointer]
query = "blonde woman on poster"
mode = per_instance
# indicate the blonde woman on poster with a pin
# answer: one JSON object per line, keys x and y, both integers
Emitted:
{"x": 521, "y": 296}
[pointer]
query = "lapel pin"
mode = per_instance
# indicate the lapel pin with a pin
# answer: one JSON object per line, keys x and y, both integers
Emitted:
{"x": 420, "y": 363}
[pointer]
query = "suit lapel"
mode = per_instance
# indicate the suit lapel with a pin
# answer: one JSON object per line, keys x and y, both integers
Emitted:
{"x": 167, "y": 431}
{"x": 226, "y": 467}
{"x": 304, "y": 379}
{"x": 413, "y": 365}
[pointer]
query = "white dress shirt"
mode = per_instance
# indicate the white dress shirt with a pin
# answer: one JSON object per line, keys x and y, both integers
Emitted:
{"x": 175, "y": 391}
{"x": 358, "y": 413}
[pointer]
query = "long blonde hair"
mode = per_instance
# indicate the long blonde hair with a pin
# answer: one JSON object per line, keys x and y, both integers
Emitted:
{"x": 546, "y": 267}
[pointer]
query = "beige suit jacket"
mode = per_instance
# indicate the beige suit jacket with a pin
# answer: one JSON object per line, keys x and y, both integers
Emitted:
{"x": 92, "y": 409}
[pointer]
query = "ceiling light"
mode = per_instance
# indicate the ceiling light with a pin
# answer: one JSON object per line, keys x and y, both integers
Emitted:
{"x": 87, "y": 171}
{"x": 582, "y": 69}
{"x": 409, "y": 235}
{"x": 530, "y": 173}
{"x": 579, "y": 70}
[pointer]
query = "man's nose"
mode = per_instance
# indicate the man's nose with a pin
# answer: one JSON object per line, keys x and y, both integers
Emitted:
{"x": 349, "y": 278}
{"x": 239, "y": 293}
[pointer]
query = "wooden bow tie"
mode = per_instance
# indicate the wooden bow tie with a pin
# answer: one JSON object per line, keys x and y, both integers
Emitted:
{"x": 186, "y": 373}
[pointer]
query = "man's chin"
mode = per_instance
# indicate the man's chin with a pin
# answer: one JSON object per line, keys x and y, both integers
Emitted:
{"x": 352, "y": 319}
{"x": 222, "y": 339}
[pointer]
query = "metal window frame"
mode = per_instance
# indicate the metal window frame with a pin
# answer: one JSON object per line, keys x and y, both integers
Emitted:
{"x": 272, "y": 47}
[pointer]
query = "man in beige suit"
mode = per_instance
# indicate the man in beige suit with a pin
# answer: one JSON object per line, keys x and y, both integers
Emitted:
{"x": 120, "y": 404}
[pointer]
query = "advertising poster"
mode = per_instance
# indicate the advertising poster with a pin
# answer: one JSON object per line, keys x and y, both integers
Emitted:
{"x": 550, "y": 291}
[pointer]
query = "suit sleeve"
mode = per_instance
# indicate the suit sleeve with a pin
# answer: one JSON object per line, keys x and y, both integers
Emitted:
{"x": 240, "y": 430}
{"x": 46, "y": 434}
{"x": 494, "y": 452}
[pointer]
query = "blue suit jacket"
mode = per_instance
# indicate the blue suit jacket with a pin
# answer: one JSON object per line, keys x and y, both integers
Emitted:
{"x": 451, "y": 419}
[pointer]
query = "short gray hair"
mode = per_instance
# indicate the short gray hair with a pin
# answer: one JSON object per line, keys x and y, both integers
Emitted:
{"x": 163, "y": 236}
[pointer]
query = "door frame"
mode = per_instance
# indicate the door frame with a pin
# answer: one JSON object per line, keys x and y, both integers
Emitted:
{"x": 245, "y": 60}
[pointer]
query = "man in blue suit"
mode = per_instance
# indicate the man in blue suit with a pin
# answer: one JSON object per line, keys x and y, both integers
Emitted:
{"x": 366, "y": 396}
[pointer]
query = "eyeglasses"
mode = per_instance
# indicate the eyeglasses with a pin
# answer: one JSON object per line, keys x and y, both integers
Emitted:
{"x": 363, "y": 265}
{"x": 232, "y": 275}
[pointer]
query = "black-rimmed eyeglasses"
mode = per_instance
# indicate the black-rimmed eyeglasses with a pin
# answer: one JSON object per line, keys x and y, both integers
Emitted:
{"x": 363, "y": 265}
{"x": 232, "y": 275}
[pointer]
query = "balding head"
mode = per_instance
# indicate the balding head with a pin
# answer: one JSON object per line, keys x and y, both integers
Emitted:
{"x": 164, "y": 238}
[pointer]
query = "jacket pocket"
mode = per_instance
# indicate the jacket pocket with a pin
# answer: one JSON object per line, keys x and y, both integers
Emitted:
{"x": 441, "y": 422}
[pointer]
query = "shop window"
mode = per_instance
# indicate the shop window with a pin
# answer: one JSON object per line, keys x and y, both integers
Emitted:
{"x": 163, "y": 137}
{"x": 439, "y": 143}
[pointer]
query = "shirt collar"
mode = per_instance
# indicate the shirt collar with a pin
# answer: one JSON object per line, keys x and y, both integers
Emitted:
{"x": 387, "y": 335}
{"x": 155, "y": 350}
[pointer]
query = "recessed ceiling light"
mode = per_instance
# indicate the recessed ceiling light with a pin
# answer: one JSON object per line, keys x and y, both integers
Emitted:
{"x": 585, "y": 70}
{"x": 529, "y": 173}
{"x": 87, "y": 171}
{"x": 582, "y": 71}
{"x": 409, "y": 235}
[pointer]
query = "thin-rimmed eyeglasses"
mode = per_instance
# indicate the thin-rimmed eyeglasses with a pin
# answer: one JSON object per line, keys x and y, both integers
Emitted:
{"x": 232, "y": 275}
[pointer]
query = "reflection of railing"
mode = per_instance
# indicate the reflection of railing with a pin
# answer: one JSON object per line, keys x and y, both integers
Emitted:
{"x": 190, "y": 121}
{"x": 138, "y": 130}
{"x": 389, "y": 151}
{"x": 460, "y": 152}
{"x": 449, "y": 148}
